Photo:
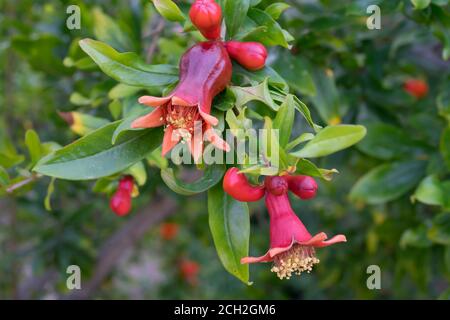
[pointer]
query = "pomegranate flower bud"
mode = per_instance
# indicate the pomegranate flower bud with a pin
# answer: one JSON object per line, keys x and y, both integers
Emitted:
{"x": 417, "y": 88}
{"x": 206, "y": 15}
{"x": 276, "y": 185}
{"x": 121, "y": 203}
{"x": 168, "y": 231}
{"x": 237, "y": 186}
{"x": 205, "y": 70}
{"x": 303, "y": 187}
{"x": 251, "y": 55}
{"x": 189, "y": 271}
{"x": 292, "y": 248}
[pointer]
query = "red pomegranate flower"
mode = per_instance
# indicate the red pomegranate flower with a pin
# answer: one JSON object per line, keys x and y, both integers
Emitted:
{"x": 205, "y": 70}
{"x": 292, "y": 247}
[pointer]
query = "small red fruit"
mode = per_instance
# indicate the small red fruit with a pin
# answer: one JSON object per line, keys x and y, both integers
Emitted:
{"x": 251, "y": 55}
{"x": 206, "y": 15}
{"x": 416, "y": 87}
{"x": 276, "y": 185}
{"x": 237, "y": 186}
{"x": 303, "y": 186}
{"x": 168, "y": 231}
{"x": 189, "y": 271}
{"x": 121, "y": 203}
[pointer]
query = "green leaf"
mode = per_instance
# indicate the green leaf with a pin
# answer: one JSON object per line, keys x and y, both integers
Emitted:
{"x": 379, "y": 142}
{"x": 445, "y": 146}
{"x": 169, "y": 10}
{"x": 138, "y": 172}
{"x": 94, "y": 156}
{"x": 327, "y": 99}
{"x": 440, "y": 229}
{"x": 307, "y": 168}
{"x": 4, "y": 177}
{"x": 107, "y": 30}
{"x": 128, "y": 68}
{"x": 48, "y": 197}
{"x": 284, "y": 120}
{"x": 155, "y": 159}
{"x": 388, "y": 182}
{"x": 276, "y": 9}
{"x": 125, "y": 125}
{"x": 304, "y": 137}
{"x": 330, "y": 140}
{"x": 115, "y": 108}
{"x": 260, "y": 93}
{"x": 212, "y": 176}
{"x": 304, "y": 110}
{"x": 295, "y": 71}
{"x": 34, "y": 146}
{"x": 235, "y": 12}
{"x": 273, "y": 35}
{"x": 430, "y": 192}
{"x": 229, "y": 222}
{"x": 420, "y": 4}
{"x": 416, "y": 238}
{"x": 256, "y": 77}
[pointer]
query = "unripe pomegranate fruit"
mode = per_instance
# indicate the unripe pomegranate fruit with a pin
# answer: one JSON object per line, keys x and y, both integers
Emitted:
{"x": 416, "y": 87}
{"x": 206, "y": 15}
{"x": 251, "y": 55}
{"x": 237, "y": 186}
{"x": 302, "y": 186}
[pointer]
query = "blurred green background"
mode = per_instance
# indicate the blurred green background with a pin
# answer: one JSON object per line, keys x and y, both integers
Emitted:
{"x": 391, "y": 198}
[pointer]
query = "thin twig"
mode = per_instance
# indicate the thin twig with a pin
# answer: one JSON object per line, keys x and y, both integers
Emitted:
{"x": 22, "y": 183}
{"x": 156, "y": 33}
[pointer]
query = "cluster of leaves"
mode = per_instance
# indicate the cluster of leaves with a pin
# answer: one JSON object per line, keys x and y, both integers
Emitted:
{"x": 325, "y": 55}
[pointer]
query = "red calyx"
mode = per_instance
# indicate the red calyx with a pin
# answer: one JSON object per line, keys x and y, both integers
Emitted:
{"x": 237, "y": 186}
{"x": 303, "y": 187}
{"x": 251, "y": 55}
{"x": 416, "y": 87}
{"x": 206, "y": 15}
{"x": 127, "y": 184}
{"x": 276, "y": 185}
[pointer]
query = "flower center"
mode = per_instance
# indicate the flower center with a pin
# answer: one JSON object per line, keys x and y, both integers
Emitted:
{"x": 181, "y": 117}
{"x": 296, "y": 260}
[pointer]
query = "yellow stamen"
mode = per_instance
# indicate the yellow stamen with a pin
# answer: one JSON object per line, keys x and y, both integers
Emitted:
{"x": 296, "y": 260}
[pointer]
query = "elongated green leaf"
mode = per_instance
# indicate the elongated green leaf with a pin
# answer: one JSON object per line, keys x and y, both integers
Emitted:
{"x": 440, "y": 229}
{"x": 307, "y": 168}
{"x": 276, "y": 9}
{"x": 273, "y": 35}
{"x": 34, "y": 145}
{"x": 94, "y": 156}
{"x": 259, "y": 92}
{"x": 430, "y": 192}
{"x": 388, "y": 182}
{"x": 4, "y": 177}
{"x": 256, "y": 77}
{"x": 330, "y": 140}
{"x": 107, "y": 30}
{"x": 169, "y": 10}
{"x": 420, "y": 4}
{"x": 125, "y": 125}
{"x": 128, "y": 68}
{"x": 235, "y": 12}
{"x": 445, "y": 146}
{"x": 284, "y": 120}
{"x": 230, "y": 227}
{"x": 213, "y": 175}
{"x": 379, "y": 142}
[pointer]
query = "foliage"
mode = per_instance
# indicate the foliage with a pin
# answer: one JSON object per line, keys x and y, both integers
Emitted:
{"x": 391, "y": 196}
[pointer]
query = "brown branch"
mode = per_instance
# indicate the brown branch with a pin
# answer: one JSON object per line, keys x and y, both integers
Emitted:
{"x": 124, "y": 239}
{"x": 156, "y": 34}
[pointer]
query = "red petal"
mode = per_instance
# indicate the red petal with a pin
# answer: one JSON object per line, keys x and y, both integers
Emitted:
{"x": 171, "y": 139}
{"x": 196, "y": 144}
{"x": 216, "y": 140}
{"x": 153, "y": 101}
{"x": 177, "y": 101}
{"x": 151, "y": 120}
